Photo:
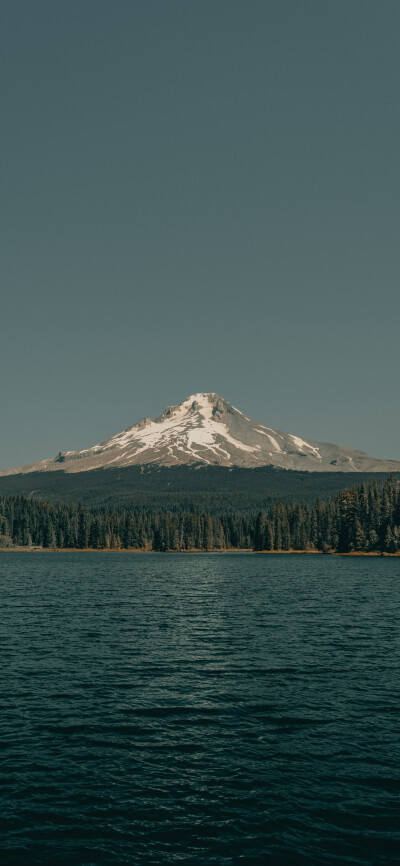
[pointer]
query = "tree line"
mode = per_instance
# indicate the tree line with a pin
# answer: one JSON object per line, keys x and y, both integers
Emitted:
{"x": 364, "y": 518}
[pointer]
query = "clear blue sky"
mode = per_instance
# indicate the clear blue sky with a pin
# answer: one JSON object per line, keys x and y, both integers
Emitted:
{"x": 199, "y": 196}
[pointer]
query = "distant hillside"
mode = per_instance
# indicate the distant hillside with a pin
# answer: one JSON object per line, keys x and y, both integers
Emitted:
{"x": 213, "y": 488}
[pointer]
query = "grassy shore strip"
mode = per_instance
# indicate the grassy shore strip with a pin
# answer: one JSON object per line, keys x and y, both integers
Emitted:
{"x": 21, "y": 549}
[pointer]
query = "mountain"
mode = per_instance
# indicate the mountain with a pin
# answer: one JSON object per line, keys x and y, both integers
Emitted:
{"x": 206, "y": 430}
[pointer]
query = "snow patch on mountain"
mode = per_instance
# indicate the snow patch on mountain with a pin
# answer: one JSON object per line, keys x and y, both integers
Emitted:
{"x": 301, "y": 444}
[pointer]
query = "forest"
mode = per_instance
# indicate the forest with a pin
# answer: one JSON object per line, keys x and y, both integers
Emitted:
{"x": 216, "y": 489}
{"x": 364, "y": 519}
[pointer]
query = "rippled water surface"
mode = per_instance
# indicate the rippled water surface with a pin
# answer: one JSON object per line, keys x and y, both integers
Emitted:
{"x": 160, "y": 708}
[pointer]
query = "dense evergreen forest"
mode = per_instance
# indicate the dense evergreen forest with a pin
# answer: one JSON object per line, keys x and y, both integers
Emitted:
{"x": 216, "y": 489}
{"x": 364, "y": 518}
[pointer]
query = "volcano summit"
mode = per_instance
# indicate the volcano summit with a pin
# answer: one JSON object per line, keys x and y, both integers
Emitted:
{"x": 207, "y": 430}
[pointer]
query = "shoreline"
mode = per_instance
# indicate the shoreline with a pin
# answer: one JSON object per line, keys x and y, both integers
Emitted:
{"x": 197, "y": 551}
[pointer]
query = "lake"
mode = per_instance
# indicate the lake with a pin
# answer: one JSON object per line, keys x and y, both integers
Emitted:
{"x": 199, "y": 709}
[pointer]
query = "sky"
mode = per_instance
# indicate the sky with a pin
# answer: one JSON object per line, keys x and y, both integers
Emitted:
{"x": 199, "y": 196}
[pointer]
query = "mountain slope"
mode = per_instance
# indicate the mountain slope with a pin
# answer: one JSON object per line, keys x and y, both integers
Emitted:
{"x": 207, "y": 430}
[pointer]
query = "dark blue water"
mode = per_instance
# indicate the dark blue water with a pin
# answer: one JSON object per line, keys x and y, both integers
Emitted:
{"x": 229, "y": 709}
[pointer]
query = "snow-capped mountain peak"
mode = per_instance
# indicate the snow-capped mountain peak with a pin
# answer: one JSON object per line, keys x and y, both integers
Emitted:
{"x": 206, "y": 430}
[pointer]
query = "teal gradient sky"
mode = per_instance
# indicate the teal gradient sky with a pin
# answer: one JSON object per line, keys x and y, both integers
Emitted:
{"x": 199, "y": 196}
